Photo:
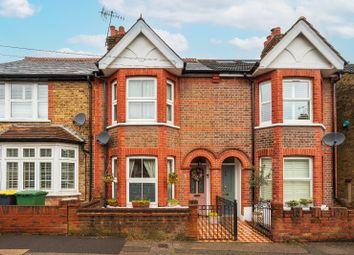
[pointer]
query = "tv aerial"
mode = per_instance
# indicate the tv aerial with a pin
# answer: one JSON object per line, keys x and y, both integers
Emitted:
{"x": 333, "y": 139}
{"x": 105, "y": 14}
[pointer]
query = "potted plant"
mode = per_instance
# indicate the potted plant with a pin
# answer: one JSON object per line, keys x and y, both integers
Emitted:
{"x": 112, "y": 202}
{"x": 213, "y": 218}
{"x": 292, "y": 203}
{"x": 143, "y": 203}
{"x": 172, "y": 178}
{"x": 108, "y": 178}
{"x": 305, "y": 203}
{"x": 173, "y": 202}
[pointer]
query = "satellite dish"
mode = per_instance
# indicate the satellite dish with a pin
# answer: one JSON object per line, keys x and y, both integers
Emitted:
{"x": 80, "y": 119}
{"x": 103, "y": 138}
{"x": 333, "y": 139}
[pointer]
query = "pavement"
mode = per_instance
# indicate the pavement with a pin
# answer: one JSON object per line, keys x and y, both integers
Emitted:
{"x": 15, "y": 244}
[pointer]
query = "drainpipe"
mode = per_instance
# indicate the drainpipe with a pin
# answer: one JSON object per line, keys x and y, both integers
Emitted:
{"x": 334, "y": 129}
{"x": 252, "y": 134}
{"x": 90, "y": 85}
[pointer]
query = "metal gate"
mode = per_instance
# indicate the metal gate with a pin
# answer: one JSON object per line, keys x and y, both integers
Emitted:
{"x": 262, "y": 217}
{"x": 218, "y": 222}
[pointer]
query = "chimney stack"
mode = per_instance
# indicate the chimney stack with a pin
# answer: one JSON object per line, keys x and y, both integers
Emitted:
{"x": 114, "y": 37}
{"x": 274, "y": 32}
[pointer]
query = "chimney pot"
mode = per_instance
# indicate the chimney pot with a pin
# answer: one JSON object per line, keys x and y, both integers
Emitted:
{"x": 121, "y": 30}
{"x": 276, "y": 31}
{"x": 113, "y": 30}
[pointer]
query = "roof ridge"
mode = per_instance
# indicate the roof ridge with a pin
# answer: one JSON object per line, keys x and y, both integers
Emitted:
{"x": 59, "y": 59}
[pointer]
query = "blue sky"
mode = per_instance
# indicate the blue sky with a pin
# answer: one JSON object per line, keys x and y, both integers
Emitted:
{"x": 195, "y": 28}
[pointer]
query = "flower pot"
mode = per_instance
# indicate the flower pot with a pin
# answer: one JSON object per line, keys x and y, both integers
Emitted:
{"x": 141, "y": 204}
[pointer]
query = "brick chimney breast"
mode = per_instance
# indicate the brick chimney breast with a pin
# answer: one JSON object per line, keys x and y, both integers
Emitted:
{"x": 114, "y": 37}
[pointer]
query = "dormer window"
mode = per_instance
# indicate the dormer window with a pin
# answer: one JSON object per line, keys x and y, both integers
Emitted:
{"x": 297, "y": 100}
{"x": 141, "y": 99}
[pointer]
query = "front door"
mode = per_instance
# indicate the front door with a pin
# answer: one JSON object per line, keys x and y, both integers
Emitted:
{"x": 228, "y": 182}
{"x": 198, "y": 186}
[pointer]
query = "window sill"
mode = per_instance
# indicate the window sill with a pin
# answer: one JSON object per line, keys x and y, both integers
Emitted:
{"x": 143, "y": 124}
{"x": 25, "y": 120}
{"x": 299, "y": 124}
{"x": 63, "y": 194}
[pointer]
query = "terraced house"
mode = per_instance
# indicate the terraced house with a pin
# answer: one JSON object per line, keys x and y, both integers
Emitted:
{"x": 215, "y": 123}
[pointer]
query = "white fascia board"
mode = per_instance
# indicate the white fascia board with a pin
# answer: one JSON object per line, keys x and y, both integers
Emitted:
{"x": 320, "y": 45}
{"x": 140, "y": 27}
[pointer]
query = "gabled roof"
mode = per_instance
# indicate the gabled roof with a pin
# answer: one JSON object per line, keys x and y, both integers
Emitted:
{"x": 237, "y": 66}
{"x": 140, "y": 27}
{"x": 41, "y": 67}
{"x": 302, "y": 26}
{"x": 39, "y": 133}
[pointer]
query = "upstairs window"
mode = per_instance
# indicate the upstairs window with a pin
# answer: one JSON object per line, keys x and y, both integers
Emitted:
{"x": 297, "y": 100}
{"x": 141, "y": 100}
{"x": 265, "y": 95}
{"x": 169, "y": 102}
{"x": 23, "y": 101}
{"x": 114, "y": 102}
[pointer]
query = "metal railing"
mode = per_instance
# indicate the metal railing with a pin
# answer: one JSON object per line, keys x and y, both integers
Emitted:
{"x": 218, "y": 222}
{"x": 262, "y": 217}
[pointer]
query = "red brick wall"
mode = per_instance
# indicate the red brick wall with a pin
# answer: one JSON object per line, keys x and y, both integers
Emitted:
{"x": 315, "y": 225}
{"x": 33, "y": 219}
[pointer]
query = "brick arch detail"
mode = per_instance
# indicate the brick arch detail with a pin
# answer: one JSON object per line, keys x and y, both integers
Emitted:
{"x": 240, "y": 155}
{"x": 199, "y": 153}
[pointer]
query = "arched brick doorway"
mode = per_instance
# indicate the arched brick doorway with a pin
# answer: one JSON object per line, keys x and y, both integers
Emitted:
{"x": 199, "y": 184}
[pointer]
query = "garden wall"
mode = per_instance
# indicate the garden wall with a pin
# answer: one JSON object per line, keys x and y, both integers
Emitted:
{"x": 337, "y": 223}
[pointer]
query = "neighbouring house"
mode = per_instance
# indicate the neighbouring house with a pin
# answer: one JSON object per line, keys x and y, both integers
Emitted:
{"x": 345, "y": 121}
{"x": 208, "y": 120}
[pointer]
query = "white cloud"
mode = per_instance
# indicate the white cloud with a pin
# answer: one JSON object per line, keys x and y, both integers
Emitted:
{"x": 94, "y": 41}
{"x": 176, "y": 41}
{"x": 16, "y": 8}
{"x": 260, "y": 15}
{"x": 215, "y": 41}
{"x": 248, "y": 43}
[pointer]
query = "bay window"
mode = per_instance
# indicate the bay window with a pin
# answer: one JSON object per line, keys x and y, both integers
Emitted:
{"x": 265, "y": 98}
{"x": 266, "y": 171}
{"x": 142, "y": 179}
{"x": 141, "y": 99}
{"x": 169, "y": 102}
{"x": 114, "y": 102}
{"x": 53, "y": 168}
{"x": 297, "y": 178}
{"x": 297, "y": 100}
{"x": 23, "y": 101}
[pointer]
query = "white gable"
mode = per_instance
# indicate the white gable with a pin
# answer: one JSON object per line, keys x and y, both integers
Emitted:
{"x": 300, "y": 54}
{"x": 302, "y": 48}
{"x": 141, "y": 53}
{"x": 141, "y": 47}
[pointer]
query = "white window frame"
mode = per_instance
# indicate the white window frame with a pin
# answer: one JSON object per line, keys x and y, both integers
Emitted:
{"x": 141, "y": 99}
{"x": 170, "y": 102}
{"x": 115, "y": 176}
{"x": 310, "y": 98}
{"x": 172, "y": 171}
{"x": 55, "y": 160}
{"x": 142, "y": 180}
{"x": 261, "y": 103}
{"x": 114, "y": 103}
{"x": 299, "y": 179}
{"x": 35, "y": 102}
{"x": 270, "y": 179}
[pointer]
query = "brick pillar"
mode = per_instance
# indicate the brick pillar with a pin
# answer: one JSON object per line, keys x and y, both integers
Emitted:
{"x": 245, "y": 189}
{"x": 193, "y": 220}
{"x": 215, "y": 184}
{"x": 185, "y": 186}
{"x": 277, "y": 164}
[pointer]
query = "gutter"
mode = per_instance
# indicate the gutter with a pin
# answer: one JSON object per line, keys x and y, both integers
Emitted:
{"x": 251, "y": 81}
{"x": 44, "y": 77}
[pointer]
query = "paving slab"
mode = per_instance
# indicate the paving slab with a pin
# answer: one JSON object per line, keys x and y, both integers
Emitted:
{"x": 13, "y": 251}
{"x": 335, "y": 248}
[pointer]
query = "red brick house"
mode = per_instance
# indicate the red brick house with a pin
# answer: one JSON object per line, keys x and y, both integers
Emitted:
{"x": 209, "y": 121}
